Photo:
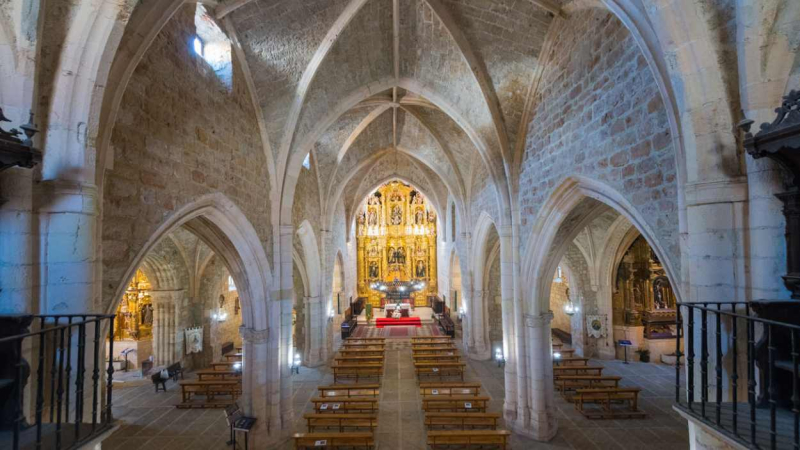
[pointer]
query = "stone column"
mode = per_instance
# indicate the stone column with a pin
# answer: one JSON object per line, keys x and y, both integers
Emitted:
{"x": 538, "y": 420}
{"x": 479, "y": 348}
{"x": 260, "y": 387}
{"x": 316, "y": 326}
{"x": 507, "y": 271}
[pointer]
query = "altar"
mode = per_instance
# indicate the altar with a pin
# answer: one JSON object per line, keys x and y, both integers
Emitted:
{"x": 404, "y": 309}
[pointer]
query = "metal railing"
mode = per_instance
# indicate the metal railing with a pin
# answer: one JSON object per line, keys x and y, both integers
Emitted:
{"x": 738, "y": 356}
{"x": 72, "y": 403}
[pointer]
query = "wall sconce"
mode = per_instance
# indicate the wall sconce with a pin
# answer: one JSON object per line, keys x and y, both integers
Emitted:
{"x": 220, "y": 316}
{"x": 559, "y": 277}
{"x": 557, "y": 355}
{"x": 296, "y": 364}
{"x": 331, "y": 314}
{"x": 498, "y": 356}
{"x": 461, "y": 313}
{"x": 237, "y": 366}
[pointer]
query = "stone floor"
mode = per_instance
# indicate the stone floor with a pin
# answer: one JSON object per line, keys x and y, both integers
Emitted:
{"x": 150, "y": 421}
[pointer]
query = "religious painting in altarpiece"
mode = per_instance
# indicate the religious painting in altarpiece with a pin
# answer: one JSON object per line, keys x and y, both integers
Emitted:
{"x": 396, "y": 239}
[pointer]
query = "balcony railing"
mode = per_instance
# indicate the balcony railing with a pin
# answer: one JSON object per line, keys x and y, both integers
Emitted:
{"x": 741, "y": 372}
{"x": 68, "y": 398}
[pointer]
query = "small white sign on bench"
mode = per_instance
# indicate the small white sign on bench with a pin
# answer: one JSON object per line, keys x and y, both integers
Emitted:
{"x": 468, "y": 405}
{"x": 321, "y": 443}
{"x": 336, "y": 406}
{"x": 435, "y": 392}
{"x": 435, "y": 369}
{"x": 323, "y": 407}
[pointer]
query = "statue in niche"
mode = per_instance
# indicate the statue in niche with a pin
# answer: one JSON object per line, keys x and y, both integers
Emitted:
{"x": 372, "y": 252}
{"x": 420, "y": 269}
{"x": 375, "y": 199}
{"x": 221, "y": 301}
{"x": 397, "y": 215}
{"x": 392, "y": 255}
{"x": 401, "y": 255}
{"x": 416, "y": 198}
{"x": 431, "y": 216}
{"x": 361, "y": 219}
{"x": 662, "y": 293}
{"x": 236, "y": 307}
{"x": 419, "y": 218}
{"x": 372, "y": 218}
{"x": 147, "y": 314}
{"x": 373, "y": 269}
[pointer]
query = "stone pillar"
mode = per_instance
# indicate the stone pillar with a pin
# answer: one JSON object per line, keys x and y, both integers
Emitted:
{"x": 17, "y": 237}
{"x": 480, "y": 348}
{"x": 507, "y": 273}
{"x": 538, "y": 420}
{"x": 68, "y": 216}
{"x": 260, "y": 387}
{"x": 315, "y": 331}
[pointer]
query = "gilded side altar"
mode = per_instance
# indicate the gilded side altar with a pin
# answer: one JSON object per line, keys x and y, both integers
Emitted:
{"x": 396, "y": 239}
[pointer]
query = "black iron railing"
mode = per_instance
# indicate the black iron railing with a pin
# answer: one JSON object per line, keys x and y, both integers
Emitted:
{"x": 748, "y": 373}
{"x": 67, "y": 398}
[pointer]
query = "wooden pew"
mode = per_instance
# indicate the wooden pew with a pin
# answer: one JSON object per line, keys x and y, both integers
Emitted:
{"x": 573, "y": 382}
{"x": 358, "y": 359}
{"x": 565, "y": 353}
{"x": 341, "y": 421}
{"x": 378, "y": 340}
{"x": 440, "y": 369}
{"x": 210, "y": 390}
{"x": 605, "y": 397}
{"x": 455, "y": 403}
{"x": 577, "y": 370}
{"x": 356, "y": 345}
{"x": 233, "y": 357}
{"x": 431, "y": 339}
{"x": 432, "y": 345}
{"x": 433, "y": 358}
{"x": 499, "y": 438}
{"x": 435, "y": 351}
{"x": 573, "y": 361}
{"x": 361, "y": 352}
{"x": 308, "y": 441}
{"x": 357, "y": 371}
{"x": 557, "y": 347}
{"x": 342, "y": 405}
{"x": 350, "y": 390}
{"x": 222, "y": 365}
{"x": 211, "y": 374}
{"x": 450, "y": 389}
{"x": 462, "y": 420}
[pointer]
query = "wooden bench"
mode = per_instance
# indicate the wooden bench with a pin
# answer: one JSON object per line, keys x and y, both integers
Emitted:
{"x": 435, "y": 351}
{"x": 571, "y": 383}
{"x": 378, "y": 340}
{"x": 434, "y": 346}
{"x": 449, "y": 389}
{"x": 341, "y": 421}
{"x": 462, "y": 420}
{"x": 356, "y": 345}
{"x": 233, "y": 357}
{"x": 431, "y": 339}
{"x": 356, "y": 370}
{"x": 440, "y": 369}
{"x": 310, "y": 441}
{"x": 455, "y": 403}
{"x": 211, "y": 374}
{"x": 361, "y": 352}
{"x": 445, "y": 358}
{"x": 223, "y": 365}
{"x": 210, "y": 390}
{"x": 350, "y": 390}
{"x": 359, "y": 359}
{"x": 469, "y": 438}
{"x": 577, "y": 370}
{"x": 573, "y": 361}
{"x": 343, "y": 405}
{"x": 557, "y": 347}
{"x": 605, "y": 398}
{"x": 565, "y": 353}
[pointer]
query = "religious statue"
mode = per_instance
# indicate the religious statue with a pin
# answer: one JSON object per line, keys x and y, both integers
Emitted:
{"x": 373, "y": 269}
{"x": 420, "y": 269}
{"x": 397, "y": 215}
{"x": 401, "y": 255}
{"x": 221, "y": 301}
{"x": 372, "y": 252}
{"x": 419, "y": 218}
{"x": 236, "y": 307}
{"x": 416, "y": 198}
{"x": 147, "y": 314}
{"x": 392, "y": 255}
{"x": 431, "y": 216}
{"x": 361, "y": 218}
{"x": 375, "y": 199}
{"x": 372, "y": 217}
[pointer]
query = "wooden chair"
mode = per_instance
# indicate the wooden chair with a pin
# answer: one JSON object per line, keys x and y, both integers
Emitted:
{"x": 469, "y": 438}
{"x": 572, "y": 361}
{"x": 463, "y": 421}
{"x": 350, "y": 390}
{"x": 450, "y": 389}
{"x": 357, "y": 371}
{"x": 440, "y": 369}
{"x": 343, "y": 405}
{"x": 341, "y": 421}
{"x": 577, "y": 370}
{"x": 455, "y": 403}
{"x": 605, "y": 398}
{"x": 210, "y": 390}
{"x": 315, "y": 441}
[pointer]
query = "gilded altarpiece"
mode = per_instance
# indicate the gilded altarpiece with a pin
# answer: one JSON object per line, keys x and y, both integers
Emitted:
{"x": 396, "y": 238}
{"x": 135, "y": 311}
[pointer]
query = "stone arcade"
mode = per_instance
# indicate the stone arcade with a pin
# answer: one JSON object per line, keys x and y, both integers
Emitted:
{"x": 208, "y": 196}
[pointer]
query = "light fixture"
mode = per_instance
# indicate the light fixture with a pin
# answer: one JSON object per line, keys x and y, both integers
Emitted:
{"x": 556, "y": 355}
{"x": 559, "y": 278}
{"x": 571, "y": 308}
{"x": 220, "y": 316}
{"x": 498, "y": 356}
{"x": 237, "y": 366}
{"x": 295, "y": 364}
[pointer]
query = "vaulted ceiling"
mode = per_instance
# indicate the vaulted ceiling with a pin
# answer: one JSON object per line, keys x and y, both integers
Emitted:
{"x": 361, "y": 83}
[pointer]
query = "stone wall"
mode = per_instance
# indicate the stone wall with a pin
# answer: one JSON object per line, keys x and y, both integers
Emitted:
{"x": 179, "y": 134}
{"x": 558, "y": 299}
{"x": 599, "y": 114}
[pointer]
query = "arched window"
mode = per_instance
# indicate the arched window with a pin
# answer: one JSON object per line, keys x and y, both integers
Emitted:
{"x": 231, "y": 284}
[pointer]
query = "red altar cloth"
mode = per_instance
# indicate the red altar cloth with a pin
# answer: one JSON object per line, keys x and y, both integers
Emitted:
{"x": 407, "y": 321}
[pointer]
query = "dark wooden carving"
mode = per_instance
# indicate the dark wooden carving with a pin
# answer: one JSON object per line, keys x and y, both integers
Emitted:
{"x": 780, "y": 142}
{"x": 16, "y": 151}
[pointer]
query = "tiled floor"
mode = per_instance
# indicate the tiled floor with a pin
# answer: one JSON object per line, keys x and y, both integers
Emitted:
{"x": 150, "y": 421}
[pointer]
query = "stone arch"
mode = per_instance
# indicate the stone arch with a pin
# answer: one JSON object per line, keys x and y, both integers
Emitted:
{"x": 316, "y": 305}
{"x": 479, "y": 265}
{"x": 311, "y": 259}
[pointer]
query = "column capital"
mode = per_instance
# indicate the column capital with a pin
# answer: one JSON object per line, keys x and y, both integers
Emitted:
{"x": 539, "y": 321}
{"x": 59, "y": 196}
{"x": 254, "y": 336}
